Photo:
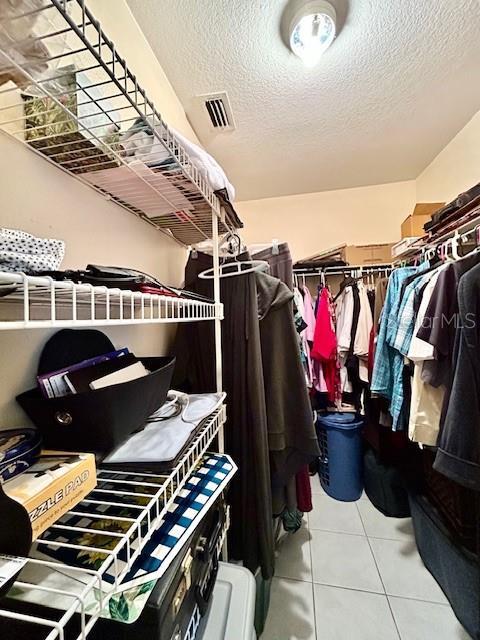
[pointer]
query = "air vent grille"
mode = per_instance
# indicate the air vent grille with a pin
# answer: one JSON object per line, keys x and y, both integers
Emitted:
{"x": 219, "y": 111}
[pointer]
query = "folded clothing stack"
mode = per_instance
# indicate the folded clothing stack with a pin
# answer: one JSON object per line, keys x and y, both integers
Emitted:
{"x": 24, "y": 253}
{"x": 140, "y": 144}
{"x": 459, "y": 210}
{"x": 123, "y": 278}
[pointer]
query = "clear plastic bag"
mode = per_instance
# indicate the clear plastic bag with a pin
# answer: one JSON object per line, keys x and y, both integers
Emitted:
{"x": 24, "y": 55}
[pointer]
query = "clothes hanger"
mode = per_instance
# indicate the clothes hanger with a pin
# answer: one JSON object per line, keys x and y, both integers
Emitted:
{"x": 274, "y": 245}
{"x": 235, "y": 267}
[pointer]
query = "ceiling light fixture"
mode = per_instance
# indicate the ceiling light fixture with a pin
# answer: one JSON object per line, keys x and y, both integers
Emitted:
{"x": 312, "y": 30}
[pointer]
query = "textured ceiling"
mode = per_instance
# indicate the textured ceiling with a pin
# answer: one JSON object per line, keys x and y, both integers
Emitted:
{"x": 399, "y": 82}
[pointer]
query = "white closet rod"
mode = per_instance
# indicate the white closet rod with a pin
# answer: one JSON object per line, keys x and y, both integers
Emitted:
{"x": 340, "y": 270}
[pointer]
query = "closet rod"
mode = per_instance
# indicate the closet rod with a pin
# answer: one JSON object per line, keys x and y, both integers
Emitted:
{"x": 341, "y": 269}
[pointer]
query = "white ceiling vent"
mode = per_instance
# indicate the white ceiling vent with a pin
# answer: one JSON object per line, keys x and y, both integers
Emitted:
{"x": 219, "y": 111}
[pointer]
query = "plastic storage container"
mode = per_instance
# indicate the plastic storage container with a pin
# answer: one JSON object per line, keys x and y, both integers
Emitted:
{"x": 231, "y": 613}
{"x": 341, "y": 459}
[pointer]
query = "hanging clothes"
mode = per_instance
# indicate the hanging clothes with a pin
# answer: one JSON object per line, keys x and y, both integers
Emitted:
{"x": 426, "y": 400}
{"x": 387, "y": 377}
{"x": 345, "y": 319}
{"x": 439, "y": 326}
{"x": 361, "y": 342}
{"x": 430, "y": 319}
{"x": 354, "y": 329}
{"x": 301, "y": 326}
{"x": 309, "y": 316}
{"x": 246, "y": 429}
{"x": 324, "y": 348}
{"x": 294, "y": 499}
{"x": 291, "y": 432}
{"x": 279, "y": 261}
{"x": 458, "y": 455}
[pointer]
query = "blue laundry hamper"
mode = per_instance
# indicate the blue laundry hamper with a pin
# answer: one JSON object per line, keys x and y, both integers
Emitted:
{"x": 341, "y": 455}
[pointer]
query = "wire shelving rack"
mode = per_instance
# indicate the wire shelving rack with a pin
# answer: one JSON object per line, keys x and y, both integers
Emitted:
{"x": 71, "y": 99}
{"x": 77, "y": 95}
{"x": 31, "y": 302}
{"x": 119, "y": 550}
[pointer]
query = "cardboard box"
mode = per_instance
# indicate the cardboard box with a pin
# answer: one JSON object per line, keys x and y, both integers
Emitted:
{"x": 413, "y": 225}
{"x": 427, "y": 208}
{"x": 55, "y": 484}
{"x": 368, "y": 254}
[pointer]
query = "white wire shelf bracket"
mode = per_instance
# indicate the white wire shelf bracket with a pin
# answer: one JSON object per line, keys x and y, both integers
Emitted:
{"x": 115, "y": 554}
{"x": 29, "y": 302}
{"x": 73, "y": 113}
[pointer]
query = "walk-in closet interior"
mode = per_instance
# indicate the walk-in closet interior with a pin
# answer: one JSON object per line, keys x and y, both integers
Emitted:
{"x": 239, "y": 320}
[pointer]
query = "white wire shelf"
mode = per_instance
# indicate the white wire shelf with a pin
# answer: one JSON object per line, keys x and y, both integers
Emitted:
{"x": 115, "y": 554}
{"x": 78, "y": 95}
{"x": 29, "y": 302}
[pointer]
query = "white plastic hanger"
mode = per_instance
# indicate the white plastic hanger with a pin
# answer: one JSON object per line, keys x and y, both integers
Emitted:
{"x": 273, "y": 245}
{"x": 235, "y": 268}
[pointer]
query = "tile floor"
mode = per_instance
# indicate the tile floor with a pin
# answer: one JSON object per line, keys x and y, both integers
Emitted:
{"x": 351, "y": 573}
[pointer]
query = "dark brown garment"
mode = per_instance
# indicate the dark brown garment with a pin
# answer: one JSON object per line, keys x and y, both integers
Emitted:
{"x": 251, "y": 537}
{"x": 297, "y": 495}
{"x": 291, "y": 432}
{"x": 280, "y": 264}
{"x": 380, "y": 293}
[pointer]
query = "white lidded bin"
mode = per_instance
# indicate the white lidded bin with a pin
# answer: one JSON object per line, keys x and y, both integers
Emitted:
{"x": 231, "y": 613}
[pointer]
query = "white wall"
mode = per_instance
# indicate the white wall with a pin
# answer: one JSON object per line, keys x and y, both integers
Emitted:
{"x": 455, "y": 169}
{"x": 314, "y": 221}
{"x": 40, "y": 199}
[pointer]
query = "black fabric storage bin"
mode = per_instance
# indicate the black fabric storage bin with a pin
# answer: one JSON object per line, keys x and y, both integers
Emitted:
{"x": 385, "y": 487}
{"x": 454, "y": 502}
{"x": 98, "y": 421}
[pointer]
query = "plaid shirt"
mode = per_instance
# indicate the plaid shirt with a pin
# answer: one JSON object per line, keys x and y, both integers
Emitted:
{"x": 401, "y": 326}
{"x": 387, "y": 376}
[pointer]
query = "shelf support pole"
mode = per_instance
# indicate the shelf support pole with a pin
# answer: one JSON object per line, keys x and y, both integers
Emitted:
{"x": 218, "y": 322}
